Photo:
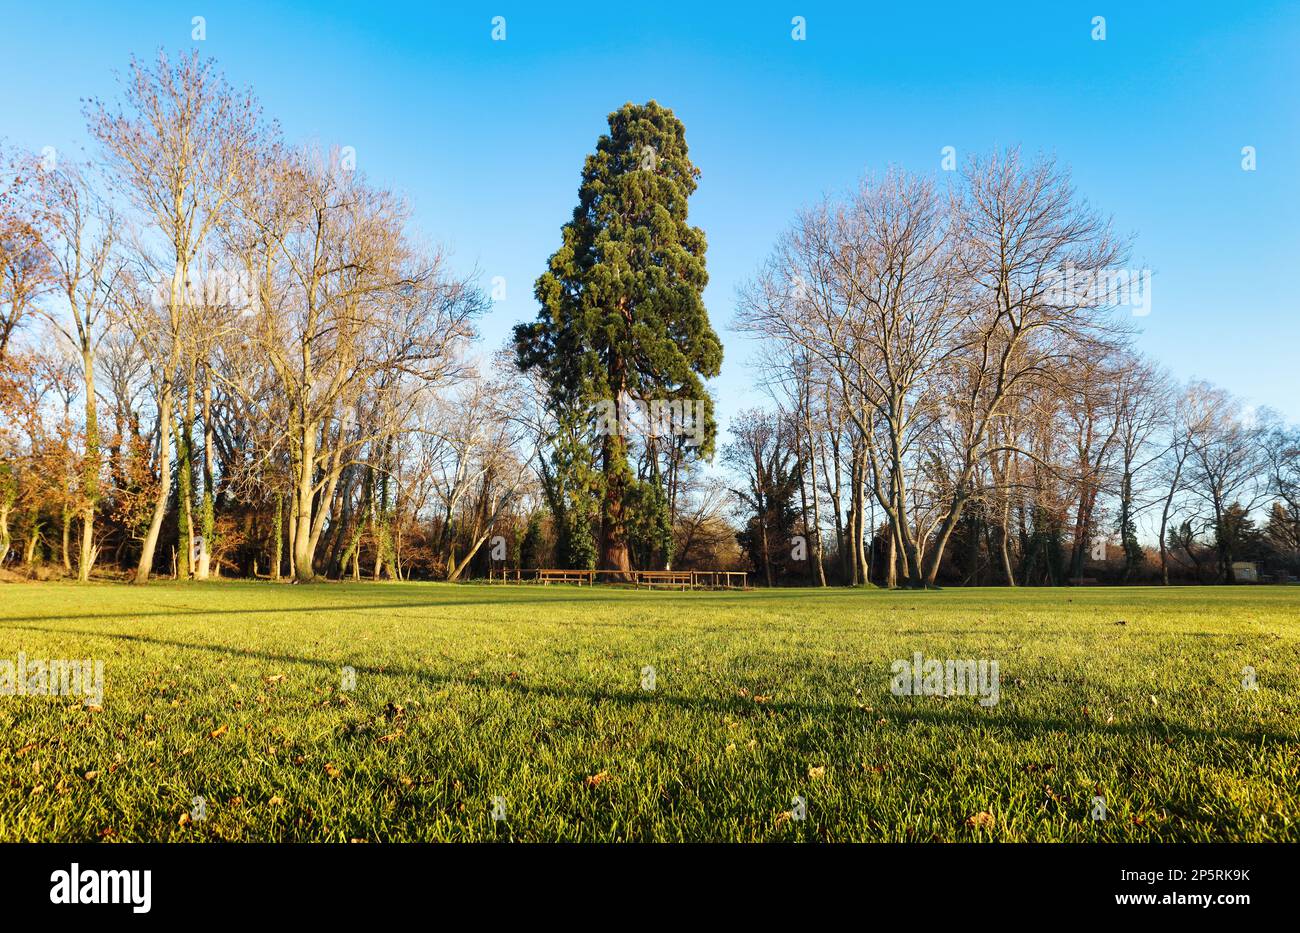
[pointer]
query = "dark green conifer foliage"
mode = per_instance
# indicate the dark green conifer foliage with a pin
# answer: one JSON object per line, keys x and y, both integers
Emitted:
{"x": 622, "y": 309}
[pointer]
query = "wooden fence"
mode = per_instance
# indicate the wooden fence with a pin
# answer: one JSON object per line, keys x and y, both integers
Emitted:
{"x": 650, "y": 579}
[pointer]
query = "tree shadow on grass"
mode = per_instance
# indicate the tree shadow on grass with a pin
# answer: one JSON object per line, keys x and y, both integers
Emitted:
{"x": 961, "y": 715}
{"x": 648, "y": 599}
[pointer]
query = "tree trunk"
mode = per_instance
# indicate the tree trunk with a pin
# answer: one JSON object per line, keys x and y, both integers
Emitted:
{"x": 66, "y": 548}
{"x": 29, "y": 552}
{"x": 207, "y": 509}
{"x": 279, "y": 536}
{"x": 90, "y": 471}
{"x": 145, "y": 567}
{"x": 891, "y": 573}
{"x": 853, "y": 531}
{"x": 302, "y": 553}
{"x": 1004, "y": 546}
{"x": 613, "y": 519}
{"x": 6, "y": 539}
{"x": 292, "y": 532}
{"x": 1164, "y": 520}
{"x": 833, "y": 475}
{"x": 184, "y": 427}
{"x": 818, "y": 554}
{"x": 803, "y": 496}
{"x": 861, "y": 538}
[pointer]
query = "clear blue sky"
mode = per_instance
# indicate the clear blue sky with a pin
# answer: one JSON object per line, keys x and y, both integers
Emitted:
{"x": 487, "y": 138}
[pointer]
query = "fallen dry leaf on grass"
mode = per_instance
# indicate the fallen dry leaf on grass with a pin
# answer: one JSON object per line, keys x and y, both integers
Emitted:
{"x": 25, "y": 749}
{"x": 185, "y": 820}
{"x": 816, "y": 772}
{"x": 91, "y": 775}
{"x": 332, "y": 771}
{"x": 981, "y": 820}
{"x": 219, "y": 732}
{"x": 595, "y": 780}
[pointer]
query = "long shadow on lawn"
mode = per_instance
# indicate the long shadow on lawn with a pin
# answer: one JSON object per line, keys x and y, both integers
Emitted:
{"x": 963, "y": 716}
{"x": 172, "y": 612}
{"x": 188, "y": 611}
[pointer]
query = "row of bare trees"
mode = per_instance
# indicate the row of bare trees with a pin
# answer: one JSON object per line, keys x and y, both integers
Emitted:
{"x": 949, "y": 411}
{"x": 289, "y": 368}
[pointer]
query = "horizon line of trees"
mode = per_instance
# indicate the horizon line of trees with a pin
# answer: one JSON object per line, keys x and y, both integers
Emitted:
{"x": 944, "y": 411}
{"x": 222, "y": 354}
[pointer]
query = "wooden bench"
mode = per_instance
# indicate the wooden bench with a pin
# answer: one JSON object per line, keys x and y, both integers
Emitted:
{"x": 676, "y": 579}
{"x": 579, "y": 577}
{"x": 722, "y": 579}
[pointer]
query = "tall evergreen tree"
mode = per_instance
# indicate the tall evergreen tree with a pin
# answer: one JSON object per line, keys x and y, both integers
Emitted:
{"x": 623, "y": 314}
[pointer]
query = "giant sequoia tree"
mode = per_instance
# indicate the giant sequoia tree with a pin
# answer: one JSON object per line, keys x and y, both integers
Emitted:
{"x": 622, "y": 316}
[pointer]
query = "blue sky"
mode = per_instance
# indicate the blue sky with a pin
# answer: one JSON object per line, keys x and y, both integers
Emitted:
{"x": 487, "y": 138}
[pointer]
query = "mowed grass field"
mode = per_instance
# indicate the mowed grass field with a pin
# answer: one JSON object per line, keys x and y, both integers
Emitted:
{"x": 233, "y": 692}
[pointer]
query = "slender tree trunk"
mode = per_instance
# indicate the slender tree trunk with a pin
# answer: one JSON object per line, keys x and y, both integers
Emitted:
{"x": 834, "y": 475}
{"x": 302, "y": 553}
{"x": 818, "y": 555}
{"x": 184, "y": 427}
{"x": 292, "y": 533}
{"x": 863, "y": 535}
{"x": 279, "y": 536}
{"x": 145, "y": 567}
{"x": 207, "y": 516}
{"x": 6, "y": 539}
{"x": 809, "y": 545}
{"x": 90, "y": 471}
{"x": 66, "y": 547}
{"x": 33, "y": 536}
{"x": 1004, "y": 547}
{"x": 853, "y": 530}
{"x": 1164, "y": 521}
{"x": 891, "y": 573}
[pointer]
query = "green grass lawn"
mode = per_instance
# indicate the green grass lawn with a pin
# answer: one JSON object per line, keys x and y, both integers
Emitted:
{"x": 233, "y": 692}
